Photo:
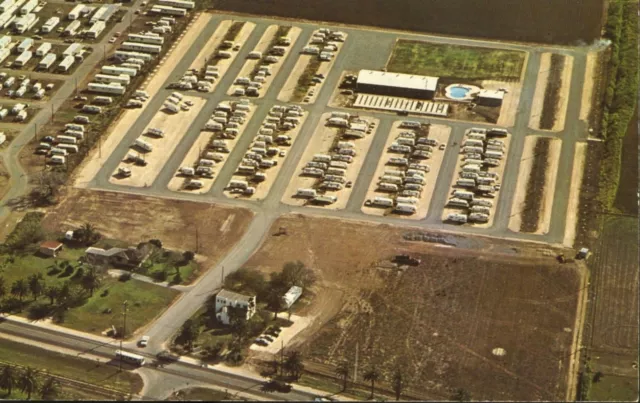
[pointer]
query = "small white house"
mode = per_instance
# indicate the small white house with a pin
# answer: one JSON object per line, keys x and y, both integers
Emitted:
{"x": 228, "y": 299}
{"x": 292, "y": 295}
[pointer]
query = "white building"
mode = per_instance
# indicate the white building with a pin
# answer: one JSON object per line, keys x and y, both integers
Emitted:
{"x": 28, "y": 7}
{"x": 104, "y": 13}
{"x": 50, "y": 25}
{"x": 47, "y": 61}
{"x": 228, "y": 299}
{"x": 23, "y": 58}
{"x": 72, "y": 28}
{"x": 292, "y": 295}
{"x": 73, "y": 49}
{"x": 178, "y": 3}
{"x": 141, "y": 47}
{"x": 490, "y": 98}
{"x": 102, "y": 88}
{"x": 151, "y": 40}
{"x": 117, "y": 70}
{"x": 122, "y": 79}
{"x": 43, "y": 49}
{"x": 25, "y": 23}
{"x": 76, "y": 12}
{"x": 96, "y": 29}
{"x": 168, "y": 10}
{"x": 66, "y": 63}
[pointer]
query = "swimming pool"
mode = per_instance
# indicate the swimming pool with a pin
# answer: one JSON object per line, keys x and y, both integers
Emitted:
{"x": 458, "y": 92}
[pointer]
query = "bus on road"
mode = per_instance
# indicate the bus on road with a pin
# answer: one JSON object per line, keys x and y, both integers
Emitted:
{"x": 130, "y": 357}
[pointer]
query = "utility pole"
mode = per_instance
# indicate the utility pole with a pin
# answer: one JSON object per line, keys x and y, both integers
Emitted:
{"x": 197, "y": 242}
{"x": 282, "y": 358}
{"x": 222, "y": 275}
{"x": 124, "y": 330}
{"x": 35, "y": 131}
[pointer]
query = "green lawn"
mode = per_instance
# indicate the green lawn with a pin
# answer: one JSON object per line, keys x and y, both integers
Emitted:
{"x": 145, "y": 302}
{"x": 68, "y": 366}
{"x": 614, "y": 388}
{"x": 455, "y": 62}
{"x": 188, "y": 272}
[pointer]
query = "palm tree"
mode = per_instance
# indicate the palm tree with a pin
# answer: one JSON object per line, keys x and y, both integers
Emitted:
{"x": 49, "y": 390}
{"x": 19, "y": 288}
{"x": 342, "y": 371}
{"x": 7, "y": 379}
{"x": 52, "y": 293}
{"x": 372, "y": 375}
{"x": 90, "y": 280}
{"x": 3, "y": 287}
{"x": 398, "y": 383}
{"x": 28, "y": 382}
{"x": 36, "y": 285}
{"x": 88, "y": 232}
{"x": 293, "y": 364}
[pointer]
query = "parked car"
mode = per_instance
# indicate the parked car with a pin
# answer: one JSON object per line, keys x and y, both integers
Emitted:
{"x": 113, "y": 40}
{"x": 144, "y": 341}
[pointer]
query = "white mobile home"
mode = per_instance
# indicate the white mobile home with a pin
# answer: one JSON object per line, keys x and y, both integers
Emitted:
{"x": 43, "y": 49}
{"x": 76, "y": 12}
{"x": 178, "y": 3}
{"x": 106, "y": 78}
{"x": 112, "y": 88}
{"x": 6, "y": 5}
{"x": 168, "y": 10}
{"x": 125, "y": 55}
{"x": 148, "y": 39}
{"x": 96, "y": 29}
{"x": 66, "y": 63}
{"x": 50, "y": 25}
{"x": 4, "y": 53}
{"x": 25, "y": 45}
{"x": 72, "y": 50}
{"x": 28, "y": 7}
{"x": 25, "y": 23}
{"x": 141, "y": 47}
{"x": 117, "y": 70}
{"x": 23, "y": 58}
{"x": 104, "y": 13}
{"x": 47, "y": 61}
{"x": 72, "y": 29}
{"x": 5, "y": 41}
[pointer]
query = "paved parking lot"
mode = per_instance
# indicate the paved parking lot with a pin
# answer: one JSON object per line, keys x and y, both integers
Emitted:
{"x": 363, "y": 49}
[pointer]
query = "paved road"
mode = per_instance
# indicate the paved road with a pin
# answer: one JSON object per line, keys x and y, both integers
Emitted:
{"x": 186, "y": 373}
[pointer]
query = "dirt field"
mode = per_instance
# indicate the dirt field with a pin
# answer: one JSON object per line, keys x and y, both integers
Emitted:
{"x": 574, "y": 195}
{"x": 175, "y": 126}
{"x": 263, "y": 46}
{"x": 500, "y": 19}
{"x": 499, "y": 170}
{"x": 442, "y": 319}
{"x": 587, "y": 89}
{"x": 173, "y": 222}
{"x": 287, "y": 92}
{"x": 437, "y": 132}
{"x": 94, "y": 161}
{"x": 208, "y": 49}
{"x": 262, "y": 189}
{"x": 613, "y": 329}
{"x": 192, "y": 156}
{"x": 525, "y": 174}
{"x": 322, "y": 142}
{"x": 545, "y": 78}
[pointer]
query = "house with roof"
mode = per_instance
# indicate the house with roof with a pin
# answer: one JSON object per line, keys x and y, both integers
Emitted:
{"x": 490, "y": 98}
{"x": 396, "y": 84}
{"x": 129, "y": 257}
{"x": 226, "y": 301}
{"x": 50, "y": 248}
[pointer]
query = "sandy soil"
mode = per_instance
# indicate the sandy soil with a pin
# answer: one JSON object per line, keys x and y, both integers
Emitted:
{"x": 262, "y": 189}
{"x": 510, "y": 103}
{"x": 209, "y": 48}
{"x": 523, "y": 179}
{"x": 561, "y": 113}
{"x": 587, "y": 89}
{"x": 175, "y": 127}
{"x": 574, "y": 194}
{"x": 499, "y": 170}
{"x": 293, "y": 34}
{"x": 285, "y": 336}
{"x": 287, "y": 91}
{"x": 438, "y": 132}
{"x": 192, "y": 156}
{"x": 173, "y": 221}
{"x": 541, "y": 86}
{"x": 321, "y": 143}
{"x": 94, "y": 161}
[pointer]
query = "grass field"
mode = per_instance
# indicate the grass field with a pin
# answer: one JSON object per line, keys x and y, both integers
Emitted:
{"x": 614, "y": 388}
{"x": 68, "y": 366}
{"x": 145, "y": 301}
{"x": 455, "y": 62}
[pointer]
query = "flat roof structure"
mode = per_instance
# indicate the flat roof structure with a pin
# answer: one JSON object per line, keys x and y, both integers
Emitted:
{"x": 397, "y": 80}
{"x": 491, "y": 94}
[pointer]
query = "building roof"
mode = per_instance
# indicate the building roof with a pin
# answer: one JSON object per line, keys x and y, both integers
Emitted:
{"x": 51, "y": 245}
{"x": 491, "y": 94}
{"x": 102, "y": 252}
{"x": 398, "y": 80}
{"x": 234, "y": 296}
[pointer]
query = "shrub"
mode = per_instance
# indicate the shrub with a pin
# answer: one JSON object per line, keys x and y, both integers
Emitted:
{"x": 124, "y": 277}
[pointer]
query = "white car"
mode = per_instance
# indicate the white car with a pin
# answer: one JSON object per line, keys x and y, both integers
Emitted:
{"x": 144, "y": 341}
{"x": 188, "y": 103}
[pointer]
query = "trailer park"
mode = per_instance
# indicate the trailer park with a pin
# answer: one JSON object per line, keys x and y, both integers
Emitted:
{"x": 275, "y": 117}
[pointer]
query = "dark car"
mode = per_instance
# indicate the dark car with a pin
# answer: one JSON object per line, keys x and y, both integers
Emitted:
{"x": 48, "y": 139}
{"x": 276, "y": 386}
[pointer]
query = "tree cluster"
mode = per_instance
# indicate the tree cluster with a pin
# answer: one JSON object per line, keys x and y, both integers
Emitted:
{"x": 30, "y": 382}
